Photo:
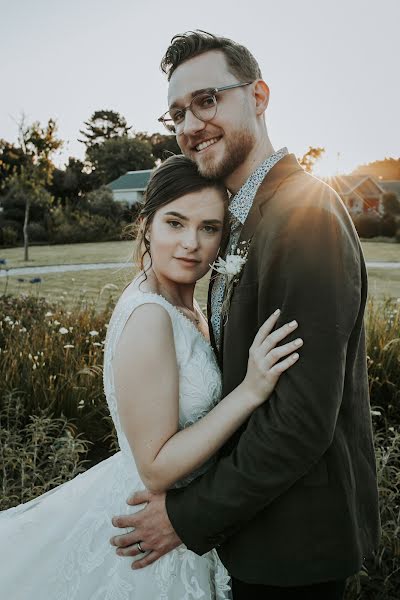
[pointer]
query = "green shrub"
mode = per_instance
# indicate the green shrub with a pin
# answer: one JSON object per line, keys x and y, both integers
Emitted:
{"x": 9, "y": 236}
{"x": 52, "y": 359}
{"x": 380, "y": 580}
{"x": 37, "y": 232}
{"x": 35, "y": 456}
{"x": 383, "y": 343}
{"x": 367, "y": 225}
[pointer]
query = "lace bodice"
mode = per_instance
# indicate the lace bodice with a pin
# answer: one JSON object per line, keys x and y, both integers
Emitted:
{"x": 199, "y": 375}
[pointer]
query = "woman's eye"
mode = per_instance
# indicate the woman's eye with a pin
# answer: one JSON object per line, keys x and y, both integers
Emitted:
{"x": 174, "y": 224}
{"x": 210, "y": 229}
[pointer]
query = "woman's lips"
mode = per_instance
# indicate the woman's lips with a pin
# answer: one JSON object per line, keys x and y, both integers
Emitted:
{"x": 188, "y": 261}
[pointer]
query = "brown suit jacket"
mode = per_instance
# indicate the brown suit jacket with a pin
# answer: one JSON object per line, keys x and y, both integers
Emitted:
{"x": 293, "y": 497}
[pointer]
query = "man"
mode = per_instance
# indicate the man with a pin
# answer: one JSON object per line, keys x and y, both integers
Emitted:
{"x": 291, "y": 504}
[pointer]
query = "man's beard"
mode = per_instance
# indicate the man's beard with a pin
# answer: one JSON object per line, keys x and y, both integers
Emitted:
{"x": 237, "y": 148}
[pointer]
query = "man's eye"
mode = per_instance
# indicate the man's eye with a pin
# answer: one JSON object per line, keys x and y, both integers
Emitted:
{"x": 174, "y": 224}
{"x": 207, "y": 101}
{"x": 178, "y": 116}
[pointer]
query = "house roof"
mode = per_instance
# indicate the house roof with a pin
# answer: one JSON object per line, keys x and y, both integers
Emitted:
{"x": 132, "y": 180}
{"x": 358, "y": 184}
{"x": 391, "y": 186}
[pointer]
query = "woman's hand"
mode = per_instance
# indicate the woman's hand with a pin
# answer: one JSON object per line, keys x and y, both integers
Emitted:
{"x": 265, "y": 365}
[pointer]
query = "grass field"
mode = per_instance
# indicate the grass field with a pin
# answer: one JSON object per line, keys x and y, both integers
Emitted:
{"x": 104, "y": 252}
{"x": 99, "y": 285}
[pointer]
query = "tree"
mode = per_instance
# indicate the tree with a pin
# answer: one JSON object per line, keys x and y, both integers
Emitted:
{"x": 389, "y": 168}
{"x": 162, "y": 145}
{"x": 37, "y": 144}
{"x": 12, "y": 159}
{"x": 116, "y": 156}
{"x": 104, "y": 125}
{"x": 391, "y": 204}
{"x": 309, "y": 159}
{"x": 70, "y": 184}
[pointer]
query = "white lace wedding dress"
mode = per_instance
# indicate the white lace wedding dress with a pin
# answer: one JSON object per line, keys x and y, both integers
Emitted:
{"x": 56, "y": 547}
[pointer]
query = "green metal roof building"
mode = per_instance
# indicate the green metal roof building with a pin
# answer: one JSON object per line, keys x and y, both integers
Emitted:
{"x": 131, "y": 186}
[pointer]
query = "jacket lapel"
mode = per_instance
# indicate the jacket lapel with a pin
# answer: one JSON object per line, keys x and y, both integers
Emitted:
{"x": 210, "y": 327}
{"x": 274, "y": 178}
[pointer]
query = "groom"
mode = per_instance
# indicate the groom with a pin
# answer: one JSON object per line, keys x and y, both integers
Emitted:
{"x": 291, "y": 505}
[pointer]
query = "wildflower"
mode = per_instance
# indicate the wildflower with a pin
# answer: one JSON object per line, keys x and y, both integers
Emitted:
{"x": 23, "y": 330}
{"x": 56, "y": 322}
{"x": 69, "y": 346}
{"x": 93, "y": 333}
{"x": 376, "y": 413}
{"x": 48, "y": 314}
{"x": 63, "y": 330}
{"x": 96, "y": 344}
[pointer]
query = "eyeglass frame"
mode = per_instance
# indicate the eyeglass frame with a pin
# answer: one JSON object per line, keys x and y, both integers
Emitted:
{"x": 212, "y": 92}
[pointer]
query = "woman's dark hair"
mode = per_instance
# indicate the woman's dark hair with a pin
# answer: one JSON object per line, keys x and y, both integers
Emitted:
{"x": 174, "y": 178}
{"x": 184, "y": 46}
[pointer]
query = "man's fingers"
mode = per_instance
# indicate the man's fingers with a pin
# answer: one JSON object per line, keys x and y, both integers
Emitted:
{"x": 147, "y": 560}
{"x": 126, "y": 520}
{"x": 139, "y": 498}
{"x": 132, "y": 550}
{"x": 127, "y": 539}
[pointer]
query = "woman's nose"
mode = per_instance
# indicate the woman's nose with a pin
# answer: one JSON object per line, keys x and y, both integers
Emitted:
{"x": 190, "y": 241}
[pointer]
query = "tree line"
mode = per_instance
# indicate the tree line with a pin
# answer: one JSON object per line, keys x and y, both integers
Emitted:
{"x": 42, "y": 203}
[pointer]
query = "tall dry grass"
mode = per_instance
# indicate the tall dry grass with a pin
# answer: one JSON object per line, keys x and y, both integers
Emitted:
{"x": 54, "y": 421}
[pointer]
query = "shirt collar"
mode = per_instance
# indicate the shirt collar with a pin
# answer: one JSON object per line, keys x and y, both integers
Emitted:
{"x": 242, "y": 201}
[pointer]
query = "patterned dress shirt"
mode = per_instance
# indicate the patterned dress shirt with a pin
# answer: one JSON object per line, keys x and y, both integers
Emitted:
{"x": 239, "y": 208}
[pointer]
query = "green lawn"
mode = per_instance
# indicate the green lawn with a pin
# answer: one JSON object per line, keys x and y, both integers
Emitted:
{"x": 65, "y": 254}
{"x": 69, "y": 254}
{"x": 98, "y": 285}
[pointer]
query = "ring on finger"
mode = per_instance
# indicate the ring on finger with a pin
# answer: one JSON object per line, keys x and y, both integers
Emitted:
{"x": 139, "y": 547}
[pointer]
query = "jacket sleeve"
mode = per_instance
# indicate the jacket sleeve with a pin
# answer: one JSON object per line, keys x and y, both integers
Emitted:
{"x": 310, "y": 268}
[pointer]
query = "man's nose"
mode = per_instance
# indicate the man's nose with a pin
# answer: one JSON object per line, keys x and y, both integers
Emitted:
{"x": 192, "y": 124}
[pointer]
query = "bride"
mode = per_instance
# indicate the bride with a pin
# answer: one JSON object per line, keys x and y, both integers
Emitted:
{"x": 163, "y": 388}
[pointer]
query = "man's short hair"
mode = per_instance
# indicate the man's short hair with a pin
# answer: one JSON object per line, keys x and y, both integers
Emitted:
{"x": 187, "y": 45}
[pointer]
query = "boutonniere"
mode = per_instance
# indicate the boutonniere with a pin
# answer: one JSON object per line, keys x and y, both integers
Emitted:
{"x": 231, "y": 268}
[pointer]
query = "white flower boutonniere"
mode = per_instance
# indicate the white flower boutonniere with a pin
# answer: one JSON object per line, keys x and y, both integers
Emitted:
{"x": 230, "y": 268}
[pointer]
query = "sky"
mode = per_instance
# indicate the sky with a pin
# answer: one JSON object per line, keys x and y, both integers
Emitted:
{"x": 332, "y": 67}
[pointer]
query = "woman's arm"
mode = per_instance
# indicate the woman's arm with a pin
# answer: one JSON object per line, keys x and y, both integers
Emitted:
{"x": 147, "y": 385}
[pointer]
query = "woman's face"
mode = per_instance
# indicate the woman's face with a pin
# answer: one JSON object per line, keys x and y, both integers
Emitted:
{"x": 185, "y": 236}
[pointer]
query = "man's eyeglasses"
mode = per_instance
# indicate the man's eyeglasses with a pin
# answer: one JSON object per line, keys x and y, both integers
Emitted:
{"x": 203, "y": 106}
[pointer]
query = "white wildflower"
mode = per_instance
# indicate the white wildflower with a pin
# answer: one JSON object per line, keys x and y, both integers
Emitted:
{"x": 69, "y": 346}
{"x": 96, "y": 344}
{"x": 48, "y": 314}
{"x": 56, "y": 322}
{"x": 93, "y": 333}
{"x": 63, "y": 330}
{"x": 376, "y": 413}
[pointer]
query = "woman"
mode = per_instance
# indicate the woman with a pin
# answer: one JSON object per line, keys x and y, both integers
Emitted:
{"x": 163, "y": 389}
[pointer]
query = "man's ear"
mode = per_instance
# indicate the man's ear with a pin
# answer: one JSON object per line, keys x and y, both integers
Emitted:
{"x": 261, "y": 96}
